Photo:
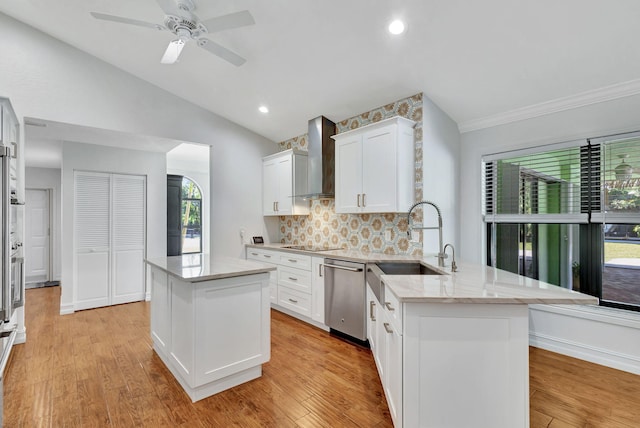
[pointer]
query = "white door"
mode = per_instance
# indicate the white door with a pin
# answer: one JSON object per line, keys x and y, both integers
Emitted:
{"x": 91, "y": 235}
{"x": 37, "y": 236}
{"x": 128, "y": 238}
{"x": 349, "y": 175}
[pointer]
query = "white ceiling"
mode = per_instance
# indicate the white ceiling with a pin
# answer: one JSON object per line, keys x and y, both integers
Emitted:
{"x": 474, "y": 59}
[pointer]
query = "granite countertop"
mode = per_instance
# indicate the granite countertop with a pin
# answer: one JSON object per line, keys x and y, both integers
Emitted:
{"x": 472, "y": 283}
{"x": 205, "y": 267}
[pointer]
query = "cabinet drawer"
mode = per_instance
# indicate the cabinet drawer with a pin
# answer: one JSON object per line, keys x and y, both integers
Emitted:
{"x": 294, "y": 300}
{"x": 295, "y": 260}
{"x": 393, "y": 309}
{"x": 262, "y": 255}
{"x": 297, "y": 279}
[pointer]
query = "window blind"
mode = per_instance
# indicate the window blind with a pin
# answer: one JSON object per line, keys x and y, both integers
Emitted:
{"x": 544, "y": 186}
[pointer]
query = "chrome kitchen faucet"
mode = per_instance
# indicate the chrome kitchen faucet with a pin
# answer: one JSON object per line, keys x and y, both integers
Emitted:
{"x": 441, "y": 256}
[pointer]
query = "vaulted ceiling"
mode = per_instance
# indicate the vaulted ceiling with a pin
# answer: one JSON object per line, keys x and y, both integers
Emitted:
{"x": 474, "y": 59}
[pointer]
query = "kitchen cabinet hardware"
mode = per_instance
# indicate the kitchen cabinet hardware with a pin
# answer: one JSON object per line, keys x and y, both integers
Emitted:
{"x": 364, "y": 204}
{"x": 292, "y": 278}
{"x": 358, "y": 199}
{"x": 268, "y": 256}
{"x": 388, "y": 328}
{"x": 388, "y": 306}
{"x": 293, "y": 260}
{"x": 372, "y": 305}
{"x": 293, "y": 300}
{"x": 345, "y": 268}
{"x": 254, "y": 254}
{"x": 320, "y": 270}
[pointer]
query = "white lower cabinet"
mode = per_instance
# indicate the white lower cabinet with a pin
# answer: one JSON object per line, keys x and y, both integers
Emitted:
{"x": 385, "y": 337}
{"x": 160, "y": 304}
{"x": 297, "y": 287}
{"x": 270, "y": 259}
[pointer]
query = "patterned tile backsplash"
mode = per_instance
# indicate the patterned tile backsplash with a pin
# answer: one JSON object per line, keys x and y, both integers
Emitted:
{"x": 365, "y": 232}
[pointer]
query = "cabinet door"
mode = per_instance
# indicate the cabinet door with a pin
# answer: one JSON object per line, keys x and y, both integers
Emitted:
{"x": 393, "y": 373}
{"x": 317, "y": 289}
{"x": 372, "y": 320}
{"x": 349, "y": 174}
{"x": 379, "y": 171}
{"x": 270, "y": 187}
{"x": 285, "y": 186}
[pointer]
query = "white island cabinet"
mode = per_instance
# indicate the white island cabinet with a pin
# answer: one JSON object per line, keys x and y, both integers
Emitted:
{"x": 210, "y": 320}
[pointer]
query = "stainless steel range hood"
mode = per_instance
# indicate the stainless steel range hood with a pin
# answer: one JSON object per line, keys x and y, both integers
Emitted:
{"x": 321, "y": 175}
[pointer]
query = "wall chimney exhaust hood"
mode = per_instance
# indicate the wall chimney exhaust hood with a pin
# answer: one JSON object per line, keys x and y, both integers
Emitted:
{"x": 321, "y": 174}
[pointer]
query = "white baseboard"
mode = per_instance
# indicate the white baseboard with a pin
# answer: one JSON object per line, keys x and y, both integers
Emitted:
{"x": 66, "y": 309}
{"x": 21, "y": 336}
{"x": 604, "y": 357}
{"x": 597, "y": 334}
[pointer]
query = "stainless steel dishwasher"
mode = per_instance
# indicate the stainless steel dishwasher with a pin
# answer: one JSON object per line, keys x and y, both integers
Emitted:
{"x": 345, "y": 299}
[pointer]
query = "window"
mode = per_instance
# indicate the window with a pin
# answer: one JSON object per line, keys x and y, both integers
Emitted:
{"x": 568, "y": 214}
{"x": 191, "y": 211}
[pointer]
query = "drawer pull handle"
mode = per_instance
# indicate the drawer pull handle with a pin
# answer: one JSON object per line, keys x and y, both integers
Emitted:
{"x": 293, "y": 261}
{"x": 293, "y": 279}
{"x": 254, "y": 254}
{"x": 388, "y": 306}
{"x": 358, "y": 199}
{"x": 387, "y": 328}
{"x": 292, "y": 300}
{"x": 364, "y": 204}
{"x": 267, "y": 256}
{"x": 371, "y": 305}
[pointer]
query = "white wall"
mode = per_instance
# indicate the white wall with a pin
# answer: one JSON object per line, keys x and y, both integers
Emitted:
{"x": 50, "y": 178}
{"x": 549, "y": 327}
{"x": 90, "y": 157}
{"x": 440, "y": 165}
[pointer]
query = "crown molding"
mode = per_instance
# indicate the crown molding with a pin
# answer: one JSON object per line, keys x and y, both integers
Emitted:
{"x": 595, "y": 96}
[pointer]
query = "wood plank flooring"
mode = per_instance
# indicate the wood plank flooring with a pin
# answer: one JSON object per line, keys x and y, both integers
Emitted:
{"x": 97, "y": 368}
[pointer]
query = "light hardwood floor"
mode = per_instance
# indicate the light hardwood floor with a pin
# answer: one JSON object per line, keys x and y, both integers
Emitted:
{"x": 96, "y": 368}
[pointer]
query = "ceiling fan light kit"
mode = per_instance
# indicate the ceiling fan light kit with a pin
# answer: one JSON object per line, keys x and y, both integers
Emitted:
{"x": 181, "y": 21}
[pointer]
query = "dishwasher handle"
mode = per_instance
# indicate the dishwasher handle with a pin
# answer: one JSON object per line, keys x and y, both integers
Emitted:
{"x": 350, "y": 269}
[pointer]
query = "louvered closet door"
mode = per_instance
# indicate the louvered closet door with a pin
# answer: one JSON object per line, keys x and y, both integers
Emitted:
{"x": 92, "y": 240}
{"x": 128, "y": 238}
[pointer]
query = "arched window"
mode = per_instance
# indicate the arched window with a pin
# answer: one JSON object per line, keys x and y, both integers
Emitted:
{"x": 191, "y": 217}
{"x": 184, "y": 216}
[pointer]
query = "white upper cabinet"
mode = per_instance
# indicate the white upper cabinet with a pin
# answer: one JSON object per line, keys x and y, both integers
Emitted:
{"x": 284, "y": 175}
{"x": 375, "y": 167}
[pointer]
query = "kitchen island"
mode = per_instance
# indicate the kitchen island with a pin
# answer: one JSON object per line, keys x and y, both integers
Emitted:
{"x": 452, "y": 349}
{"x": 210, "y": 320}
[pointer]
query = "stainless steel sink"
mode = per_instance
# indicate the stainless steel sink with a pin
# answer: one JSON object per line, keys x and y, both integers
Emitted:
{"x": 394, "y": 268}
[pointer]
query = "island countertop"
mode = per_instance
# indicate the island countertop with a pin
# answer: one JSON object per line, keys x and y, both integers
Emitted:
{"x": 472, "y": 283}
{"x": 205, "y": 267}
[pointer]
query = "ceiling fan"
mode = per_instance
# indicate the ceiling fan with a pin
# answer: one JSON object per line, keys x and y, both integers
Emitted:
{"x": 181, "y": 21}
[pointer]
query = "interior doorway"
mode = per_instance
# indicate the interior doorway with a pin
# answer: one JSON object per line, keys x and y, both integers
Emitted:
{"x": 37, "y": 236}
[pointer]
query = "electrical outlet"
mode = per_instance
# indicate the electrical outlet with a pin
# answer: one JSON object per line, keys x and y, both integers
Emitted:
{"x": 387, "y": 235}
{"x": 242, "y": 233}
{"x": 415, "y": 236}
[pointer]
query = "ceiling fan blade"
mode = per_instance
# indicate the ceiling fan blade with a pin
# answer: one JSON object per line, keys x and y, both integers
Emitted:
{"x": 122, "y": 20}
{"x": 222, "y": 52}
{"x": 172, "y": 53}
{"x": 228, "y": 22}
{"x": 169, "y": 7}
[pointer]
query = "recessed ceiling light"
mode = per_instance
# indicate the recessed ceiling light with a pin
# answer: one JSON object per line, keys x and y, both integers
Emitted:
{"x": 396, "y": 27}
{"x": 263, "y": 109}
